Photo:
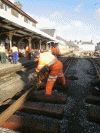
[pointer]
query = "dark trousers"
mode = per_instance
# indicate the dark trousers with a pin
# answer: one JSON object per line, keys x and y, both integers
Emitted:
{"x": 29, "y": 56}
{"x": 15, "y": 57}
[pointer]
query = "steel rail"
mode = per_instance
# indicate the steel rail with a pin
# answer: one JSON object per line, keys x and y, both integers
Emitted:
{"x": 11, "y": 109}
{"x": 98, "y": 61}
{"x": 69, "y": 63}
{"x": 96, "y": 67}
{"x": 93, "y": 99}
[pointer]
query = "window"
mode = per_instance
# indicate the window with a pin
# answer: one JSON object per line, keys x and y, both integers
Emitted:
{"x": 8, "y": 10}
{"x": 25, "y": 19}
{"x": 5, "y": 8}
{"x": 2, "y": 6}
{"x": 29, "y": 22}
{"x": 19, "y": 16}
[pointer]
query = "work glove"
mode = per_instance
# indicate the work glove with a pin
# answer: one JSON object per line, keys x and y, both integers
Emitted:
{"x": 44, "y": 69}
{"x": 33, "y": 78}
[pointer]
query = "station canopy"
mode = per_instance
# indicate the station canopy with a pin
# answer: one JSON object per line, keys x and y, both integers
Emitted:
{"x": 21, "y": 29}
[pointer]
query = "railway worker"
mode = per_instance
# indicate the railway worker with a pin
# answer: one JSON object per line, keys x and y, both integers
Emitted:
{"x": 55, "y": 67}
{"x": 29, "y": 52}
{"x": 55, "y": 50}
{"x": 15, "y": 54}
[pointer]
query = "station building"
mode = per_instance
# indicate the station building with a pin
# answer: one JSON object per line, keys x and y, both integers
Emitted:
{"x": 17, "y": 27}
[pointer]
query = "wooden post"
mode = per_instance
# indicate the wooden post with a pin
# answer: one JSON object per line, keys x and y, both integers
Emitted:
{"x": 40, "y": 44}
{"x": 29, "y": 41}
{"x": 10, "y": 38}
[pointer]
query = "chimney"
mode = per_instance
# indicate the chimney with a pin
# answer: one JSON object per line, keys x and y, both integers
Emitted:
{"x": 18, "y": 4}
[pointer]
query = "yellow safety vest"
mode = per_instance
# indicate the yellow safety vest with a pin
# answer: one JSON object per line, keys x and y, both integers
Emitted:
{"x": 27, "y": 48}
{"x": 14, "y": 49}
{"x": 45, "y": 59}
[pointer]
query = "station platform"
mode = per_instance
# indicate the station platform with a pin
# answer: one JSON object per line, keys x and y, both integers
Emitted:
{"x": 21, "y": 62}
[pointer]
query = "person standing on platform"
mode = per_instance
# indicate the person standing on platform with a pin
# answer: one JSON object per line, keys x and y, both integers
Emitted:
{"x": 55, "y": 50}
{"x": 29, "y": 52}
{"x": 3, "y": 53}
{"x": 15, "y": 54}
{"x": 2, "y": 48}
{"x": 48, "y": 60}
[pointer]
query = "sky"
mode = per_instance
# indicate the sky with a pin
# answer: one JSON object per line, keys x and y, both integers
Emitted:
{"x": 73, "y": 20}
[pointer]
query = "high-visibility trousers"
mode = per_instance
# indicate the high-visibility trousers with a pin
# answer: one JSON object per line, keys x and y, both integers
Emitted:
{"x": 15, "y": 57}
{"x": 56, "y": 71}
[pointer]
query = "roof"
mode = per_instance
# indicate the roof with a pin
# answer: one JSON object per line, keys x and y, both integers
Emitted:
{"x": 83, "y": 43}
{"x": 50, "y": 32}
{"x": 68, "y": 43}
{"x": 59, "y": 38}
{"x": 19, "y": 10}
{"x": 71, "y": 44}
{"x": 87, "y": 43}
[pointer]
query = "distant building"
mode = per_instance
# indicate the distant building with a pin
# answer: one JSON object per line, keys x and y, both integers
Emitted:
{"x": 85, "y": 46}
{"x": 61, "y": 44}
{"x": 69, "y": 44}
{"x": 98, "y": 46}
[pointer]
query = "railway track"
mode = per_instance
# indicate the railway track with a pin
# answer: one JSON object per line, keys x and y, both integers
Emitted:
{"x": 93, "y": 100}
{"x": 96, "y": 64}
{"x": 71, "y": 111}
{"x": 48, "y": 114}
{"x": 24, "y": 102}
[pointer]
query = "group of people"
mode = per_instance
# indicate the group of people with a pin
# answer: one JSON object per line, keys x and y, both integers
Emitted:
{"x": 13, "y": 52}
{"x": 48, "y": 59}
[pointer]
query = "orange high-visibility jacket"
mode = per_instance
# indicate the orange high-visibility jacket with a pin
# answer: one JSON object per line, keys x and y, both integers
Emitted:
{"x": 29, "y": 49}
{"x": 55, "y": 50}
{"x": 45, "y": 59}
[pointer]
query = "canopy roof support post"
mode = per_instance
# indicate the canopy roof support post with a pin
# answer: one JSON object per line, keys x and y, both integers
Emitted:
{"x": 29, "y": 41}
{"x": 19, "y": 42}
{"x": 40, "y": 44}
{"x": 47, "y": 47}
{"x": 50, "y": 46}
{"x": 10, "y": 39}
{"x": 10, "y": 34}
